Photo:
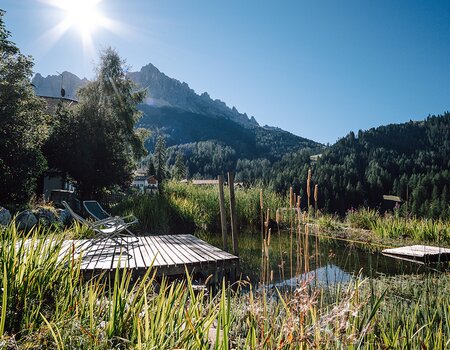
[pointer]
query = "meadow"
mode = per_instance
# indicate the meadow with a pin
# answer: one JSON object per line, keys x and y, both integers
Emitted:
{"x": 46, "y": 304}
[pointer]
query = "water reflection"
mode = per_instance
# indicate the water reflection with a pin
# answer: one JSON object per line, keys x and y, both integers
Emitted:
{"x": 321, "y": 276}
{"x": 328, "y": 260}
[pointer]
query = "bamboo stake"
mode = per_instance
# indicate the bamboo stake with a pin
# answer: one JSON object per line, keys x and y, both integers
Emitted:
{"x": 223, "y": 218}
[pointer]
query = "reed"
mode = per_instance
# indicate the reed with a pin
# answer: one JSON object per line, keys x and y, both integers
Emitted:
{"x": 44, "y": 304}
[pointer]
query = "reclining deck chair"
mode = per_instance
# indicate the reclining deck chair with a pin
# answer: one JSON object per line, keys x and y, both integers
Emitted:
{"x": 108, "y": 228}
{"x": 98, "y": 213}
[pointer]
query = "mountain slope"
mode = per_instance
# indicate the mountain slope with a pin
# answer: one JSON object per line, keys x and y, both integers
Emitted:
{"x": 201, "y": 128}
{"x": 165, "y": 91}
{"x": 409, "y": 160}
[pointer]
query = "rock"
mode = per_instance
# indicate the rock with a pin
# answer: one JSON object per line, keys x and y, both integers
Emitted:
{"x": 5, "y": 216}
{"x": 64, "y": 217}
{"x": 45, "y": 216}
{"x": 26, "y": 220}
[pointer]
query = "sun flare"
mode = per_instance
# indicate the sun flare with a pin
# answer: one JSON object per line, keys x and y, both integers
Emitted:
{"x": 82, "y": 15}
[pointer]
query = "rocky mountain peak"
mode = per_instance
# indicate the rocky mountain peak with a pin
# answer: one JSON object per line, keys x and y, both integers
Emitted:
{"x": 162, "y": 91}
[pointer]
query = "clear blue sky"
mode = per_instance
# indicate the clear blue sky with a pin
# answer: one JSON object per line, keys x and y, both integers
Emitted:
{"x": 316, "y": 68}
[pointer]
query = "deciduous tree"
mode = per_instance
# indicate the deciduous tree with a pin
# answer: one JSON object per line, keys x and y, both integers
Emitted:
{"x": 96, "y": 142}
{"x": 23, "y": 124}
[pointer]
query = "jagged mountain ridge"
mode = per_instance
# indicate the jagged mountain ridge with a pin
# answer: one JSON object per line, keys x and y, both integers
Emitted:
{"x": 162, "y": 91}
{"x": 212, "y": 136}
{"x": 166, "y": 91}
{"x": 51, "y": 85}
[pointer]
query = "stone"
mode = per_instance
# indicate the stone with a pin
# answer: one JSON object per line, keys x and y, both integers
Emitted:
{"x": 26, "y": 220}
{"x": 64, "y": 217}
{"x": 45, "y": 216}
{"x": 5, "y": 216}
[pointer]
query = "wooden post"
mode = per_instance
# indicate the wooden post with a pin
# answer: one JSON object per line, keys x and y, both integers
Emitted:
{"x": 223, "y": 217}
{"x": 234, "y": 233}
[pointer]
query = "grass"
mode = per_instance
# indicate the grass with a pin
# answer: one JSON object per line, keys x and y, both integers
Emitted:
{"x": 45, "y": 304}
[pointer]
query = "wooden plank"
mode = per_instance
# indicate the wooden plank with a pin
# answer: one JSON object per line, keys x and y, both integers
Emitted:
{"x": 213, "y": 251}
{"x": 185, "y": 254}
{"x": 159, "y": 260}
{"x": 194, "y": 256}
{"x": 420, "y": 252}
{"x": 234, "y": 230}
{"x": 137, "y": 259}
{"x": 173, "y": 254}
{"x": 166, "y": 249}
{"x": 223, "y": 217}
{"x": 192, "y": 244}
{"x": 201, "y": 247}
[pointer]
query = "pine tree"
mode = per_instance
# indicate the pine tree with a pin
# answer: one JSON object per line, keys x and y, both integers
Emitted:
{"x": 179, "y": 167}
{"x": 160, "y": 158}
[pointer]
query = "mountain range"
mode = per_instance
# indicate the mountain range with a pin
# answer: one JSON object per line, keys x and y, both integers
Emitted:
{"x": 192, "y": 123}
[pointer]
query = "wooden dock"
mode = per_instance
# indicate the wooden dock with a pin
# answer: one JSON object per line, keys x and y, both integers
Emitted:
{"x": 419, "y": 253}
{"x": 170, "y": 255}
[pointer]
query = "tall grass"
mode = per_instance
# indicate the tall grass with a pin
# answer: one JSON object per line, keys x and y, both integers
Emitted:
{"x": 45, "y": 305}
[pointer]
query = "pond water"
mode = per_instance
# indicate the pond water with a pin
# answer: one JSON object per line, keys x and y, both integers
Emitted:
{"x": 330, "y": 260}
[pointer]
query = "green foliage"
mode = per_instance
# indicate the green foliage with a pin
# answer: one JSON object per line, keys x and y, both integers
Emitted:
{"x": 408, "y": 160}
{"x": 213, "y": 145}
{"x": 179, "y": 171}
{"x": 184, "y": 207}
{"x": 160, "y": 158}
{"x": 363, "y": 218}
{"x": 95, "y": 142}
{"x": 24, "y": 126}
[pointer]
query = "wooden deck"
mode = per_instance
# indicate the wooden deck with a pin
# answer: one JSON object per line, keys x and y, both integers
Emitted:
{"x": 169, "y": 254}
{"x": 419, "y": 253}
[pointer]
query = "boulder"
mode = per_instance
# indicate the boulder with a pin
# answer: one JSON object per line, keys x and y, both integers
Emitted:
{"x": 64, "y": 217}
{"x": 26, "y": 220}
{"x": 45, "y": 216}
{"x": 5, "y": 216}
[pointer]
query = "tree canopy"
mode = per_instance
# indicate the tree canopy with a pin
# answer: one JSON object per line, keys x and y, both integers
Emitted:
{"x": 23, "y": 124}
{"x": 95, "y": 142}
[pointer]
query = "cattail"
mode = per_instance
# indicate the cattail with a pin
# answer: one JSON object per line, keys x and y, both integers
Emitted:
{"x": 268, "y": 237}
{"x": 277, "y": 216}
{"x": 267, "y": 217}
{"x": 271, "y": 275}
{"x": 261, "y": 199}
{"x": 316, "y": 192}
{"x": 298, "y": 201}
{"x": 308, "y": 185}
{"x": 291, "y": 197}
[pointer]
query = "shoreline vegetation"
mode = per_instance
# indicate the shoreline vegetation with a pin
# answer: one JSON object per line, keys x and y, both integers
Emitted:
{"x": 187, "y": 208}
{"x": 45, "y": 304}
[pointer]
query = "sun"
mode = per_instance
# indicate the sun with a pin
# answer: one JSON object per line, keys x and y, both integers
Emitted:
{"x": 85, "y": 18}
{"x": 82, "y": 15}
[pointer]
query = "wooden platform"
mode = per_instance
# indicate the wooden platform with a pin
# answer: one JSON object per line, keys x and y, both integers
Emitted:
{"x": 169, "y": 254}
{"x": 419, "y": 253}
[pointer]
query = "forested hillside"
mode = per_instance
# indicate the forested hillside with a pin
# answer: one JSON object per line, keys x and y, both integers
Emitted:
{"x": 214, "y": 145}
{"x": 410, "y": 160}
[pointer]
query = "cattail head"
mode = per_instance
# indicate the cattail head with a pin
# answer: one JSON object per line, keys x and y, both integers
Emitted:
{"x": 298, "y": 201}
{"x": 261, "y": 199}
{"x": 268, "y": 237}
{"x": 291, "y": 197}
{"x": 308, "y": 184}
{"x": 316, "y": 192}
{"x": 277, "y": 216}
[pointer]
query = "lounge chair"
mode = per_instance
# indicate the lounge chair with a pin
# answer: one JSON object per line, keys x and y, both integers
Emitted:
{"x": 98, "y": 213}
{"x": 108, "y": 228}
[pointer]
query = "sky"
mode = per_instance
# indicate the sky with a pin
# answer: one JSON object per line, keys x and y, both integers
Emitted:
{"x": 318, "y": 69}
